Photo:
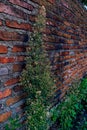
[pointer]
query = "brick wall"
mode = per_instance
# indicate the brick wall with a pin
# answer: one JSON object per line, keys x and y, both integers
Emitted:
{"x": 66, "y": 38}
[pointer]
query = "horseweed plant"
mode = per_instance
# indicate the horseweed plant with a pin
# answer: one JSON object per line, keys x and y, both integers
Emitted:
{"x": 37, "y": 79}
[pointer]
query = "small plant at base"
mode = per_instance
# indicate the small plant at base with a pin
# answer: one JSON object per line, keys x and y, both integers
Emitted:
{"x": 67, "y": 110}
{"x": 13, "y": 124}
{"x": 82, "y": 125}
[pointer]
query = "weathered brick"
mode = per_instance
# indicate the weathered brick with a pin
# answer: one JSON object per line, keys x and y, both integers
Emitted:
{"x": 13, "y": 100}
{"x": 11, "y": 81}
{"x": 66, "y": 35}
{"x": 18, "y": 48}
{"x": 18, "y": 88}
{"x": 7, "y": 59}
{"x": 49, "y": 47}
{"x": 50, "y": 23}
{"x": 64, "y": 53}
{"x": 20, "y": 58}
{"x": 32, "y": 18}
{"x": 73, "y": 37}
{"x": 70, "y": 31}
{"x": 66, "y": 23}
{"x": 51, "y": 1}
{"x": 0, "y": 22}
{"x": 12, "y": 36}
{"x": 17, "y": 67}
{"x": 60, "y": 33}
{"x": 22, "y": 4}
{"x": 3, "y": 49}
{"x": 5, "y": 93}
{"x": 15, "y": 24}
{"x": 12, "y": 11}
{"x": 65, "y": 3}
{"x": 70, "y": 41}
{"x": 63, "y": 27}
{"x": 4, "y": 116}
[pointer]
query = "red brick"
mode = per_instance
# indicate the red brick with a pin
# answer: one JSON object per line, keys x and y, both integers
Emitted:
{"x": 18, "y": 88}
{"x": 66, "y": 35}
{"x": 22, "y": 4}
{"x": 20, "y": 58}
{"x": 70, "y": 41}
{"x": 4, "y": 116}
{"x": 11, "y": 36}
{"x": 13, "y": 100}
{"x": 12, "y": 11}
{"x": 65, "y": 3}
{"x": 50, "y": 23}
{"x": 11, "y": 81}
{"x": 49, "y": 47}
{"x": 3, "y": 49}
{"x": 74, "y": 37}
{"x": 70, "y": 31}
{"x": 15, "y": 24}
{"x": 64, "y": 53}
{"x": 18, "y": 49}
{"x": 60, "y": 33}
{"x": 66, "y": 23}
{"x": 5, "y": 93}
{"x": 7, "y": 59}
{"x": 51, "y": 1}
{"x": 49, "y": 38}
{"x": 62, "y": 27}
{"x": 0, "y": 22}
{"x": 32, "y": 18}
{"x": 17, "y": 68}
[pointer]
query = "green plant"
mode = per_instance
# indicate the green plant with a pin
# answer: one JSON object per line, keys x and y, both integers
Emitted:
{"x": 13, "y": 124}
{"x": 67, "y": 110}
{"x": 37, "y": 115}
{"x": 37, "y": 79}
{"x": 84, "y": 1}
{"x": 82, "y": 125}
